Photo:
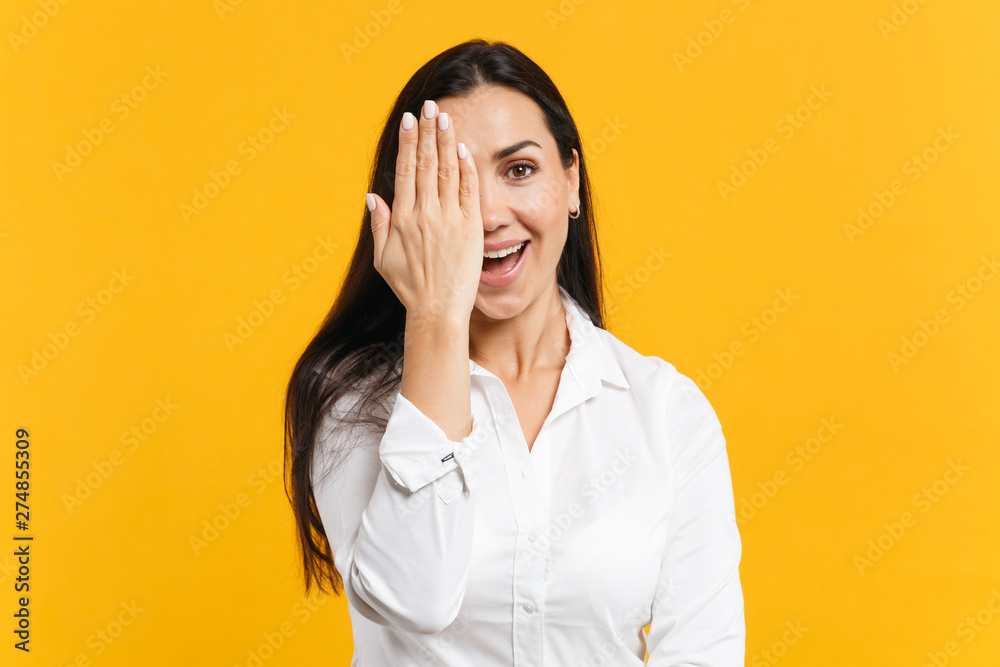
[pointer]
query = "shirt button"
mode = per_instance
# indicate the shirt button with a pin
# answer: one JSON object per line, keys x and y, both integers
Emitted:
{"x": 533, "y": 535}
{"x": 529, "y": 607}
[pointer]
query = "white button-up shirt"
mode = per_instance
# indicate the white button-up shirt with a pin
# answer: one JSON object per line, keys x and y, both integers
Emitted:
{"x": 480, "y": 552}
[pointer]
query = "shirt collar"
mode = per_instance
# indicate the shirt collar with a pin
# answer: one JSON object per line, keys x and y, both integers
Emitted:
{"x": 590, "y": 359}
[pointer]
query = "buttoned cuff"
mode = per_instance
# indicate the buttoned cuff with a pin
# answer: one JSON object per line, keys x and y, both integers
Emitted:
{"x": 416, "y": 451}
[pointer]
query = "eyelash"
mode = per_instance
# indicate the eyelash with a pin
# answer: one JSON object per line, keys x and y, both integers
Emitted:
{"x": 523, "y": 163}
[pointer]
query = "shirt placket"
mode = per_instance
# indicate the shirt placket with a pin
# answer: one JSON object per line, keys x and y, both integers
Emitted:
{"x": 530, "y": 497}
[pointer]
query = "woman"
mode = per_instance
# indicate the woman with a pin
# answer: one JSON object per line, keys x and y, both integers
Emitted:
{"x": 544, "y": 503}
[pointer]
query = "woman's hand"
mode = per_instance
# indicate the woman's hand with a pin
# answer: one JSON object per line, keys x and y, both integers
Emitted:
{"x": 429, "y": 248}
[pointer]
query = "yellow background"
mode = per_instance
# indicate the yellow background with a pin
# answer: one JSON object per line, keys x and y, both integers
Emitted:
{"x": 660, "y": 136}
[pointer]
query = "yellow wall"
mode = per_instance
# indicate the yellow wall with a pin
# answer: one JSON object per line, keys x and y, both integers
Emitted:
{"x": 131, "y": 304}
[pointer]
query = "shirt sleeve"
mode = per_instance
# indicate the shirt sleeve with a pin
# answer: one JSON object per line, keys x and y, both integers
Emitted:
{"x": 398, "y": 512}
{"x": 697, "y": 612}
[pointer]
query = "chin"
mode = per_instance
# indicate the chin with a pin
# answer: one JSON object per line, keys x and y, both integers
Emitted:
{"x": 501, "y": 304}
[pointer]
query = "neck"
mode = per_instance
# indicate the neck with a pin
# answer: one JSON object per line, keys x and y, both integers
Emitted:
{"x": 534, "y": 339}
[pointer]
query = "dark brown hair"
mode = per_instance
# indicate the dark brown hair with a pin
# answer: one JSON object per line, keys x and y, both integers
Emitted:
{"x": 360, "y": 340}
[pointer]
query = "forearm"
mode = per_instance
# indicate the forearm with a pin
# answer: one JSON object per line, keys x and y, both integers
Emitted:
{"x": 436, "y": 372}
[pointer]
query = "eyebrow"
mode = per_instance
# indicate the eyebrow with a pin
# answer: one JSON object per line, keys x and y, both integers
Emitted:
{"x": 504, "y": 152}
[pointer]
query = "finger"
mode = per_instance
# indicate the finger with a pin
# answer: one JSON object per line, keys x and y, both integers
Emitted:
{"x": 427, "y": 159}
{"x": 447, "y": 163}
{"x": 380, "y": 218}
{"x": 468, "y": 188}
{"x": 406, "y": 158}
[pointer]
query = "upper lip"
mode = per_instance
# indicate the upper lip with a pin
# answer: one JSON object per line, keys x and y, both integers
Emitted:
{"x": 500, "y": 245}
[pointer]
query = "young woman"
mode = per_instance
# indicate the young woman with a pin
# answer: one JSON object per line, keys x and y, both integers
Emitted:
{"x": 489, "y": 475}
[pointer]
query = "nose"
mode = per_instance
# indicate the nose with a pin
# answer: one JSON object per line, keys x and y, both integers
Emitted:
{"x": 493, "y": 205}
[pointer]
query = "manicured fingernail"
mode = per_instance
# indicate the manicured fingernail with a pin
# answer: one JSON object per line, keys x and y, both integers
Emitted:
{"x": 428, "y": 109}
{"x": 443, "y": 121}
{"x": 370, "y": 201}
{"x": 462, "y": 153}
{"x": 408, "y": 120}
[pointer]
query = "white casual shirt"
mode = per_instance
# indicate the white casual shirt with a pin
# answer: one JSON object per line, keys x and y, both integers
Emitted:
{"x": 481, "y": 552}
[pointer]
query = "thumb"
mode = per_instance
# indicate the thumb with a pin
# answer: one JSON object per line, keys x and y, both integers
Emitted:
{"x": 379, "y": 212}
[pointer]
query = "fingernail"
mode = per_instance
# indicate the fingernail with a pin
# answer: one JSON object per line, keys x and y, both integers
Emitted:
{"x": 443, "y": 121}
{"x": 408, "y": 121}
{"x": 428, "y": 109}
{"x": 370, "y": 201}
{"x": 462, "y": 153}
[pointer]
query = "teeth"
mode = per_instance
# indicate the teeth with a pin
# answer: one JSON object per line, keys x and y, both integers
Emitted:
{"x": 497, "y": 254}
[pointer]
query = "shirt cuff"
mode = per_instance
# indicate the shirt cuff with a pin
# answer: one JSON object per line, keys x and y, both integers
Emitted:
{"x": 416, "y": 451}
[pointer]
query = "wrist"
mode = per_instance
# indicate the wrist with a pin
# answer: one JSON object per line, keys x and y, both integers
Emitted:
{"x": 437, "y": 322}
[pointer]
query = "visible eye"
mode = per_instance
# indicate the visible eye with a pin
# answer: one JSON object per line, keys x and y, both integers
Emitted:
{"x": 525, "y": 167}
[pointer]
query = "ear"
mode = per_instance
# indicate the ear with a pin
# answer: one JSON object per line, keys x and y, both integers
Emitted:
{"x": 573, "y": 180}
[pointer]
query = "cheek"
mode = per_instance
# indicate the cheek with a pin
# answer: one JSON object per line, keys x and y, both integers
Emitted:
{"x": 548, "y": 235}
{"x": 540, "y": 205}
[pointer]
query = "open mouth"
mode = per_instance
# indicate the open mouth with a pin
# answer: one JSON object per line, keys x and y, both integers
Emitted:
{"x": 502, "y": 265}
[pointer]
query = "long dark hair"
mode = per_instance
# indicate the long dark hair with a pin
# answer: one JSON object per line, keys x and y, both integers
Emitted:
{"x": 361, "y": 339}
